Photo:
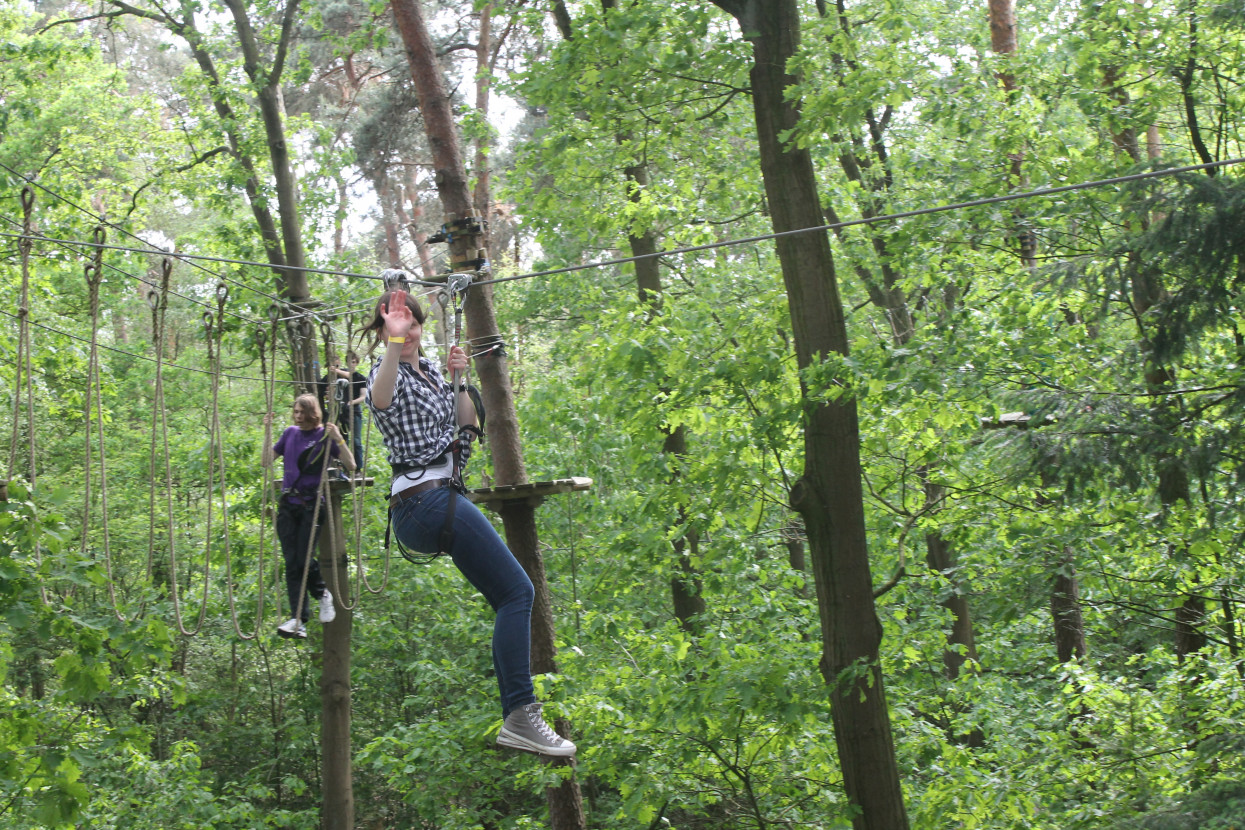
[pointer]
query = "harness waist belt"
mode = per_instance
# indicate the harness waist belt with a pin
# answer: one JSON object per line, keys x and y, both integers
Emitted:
{"x": 416, "y": 489}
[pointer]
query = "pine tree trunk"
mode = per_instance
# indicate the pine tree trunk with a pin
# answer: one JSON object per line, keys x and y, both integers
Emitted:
{"x": 519, "y": 518}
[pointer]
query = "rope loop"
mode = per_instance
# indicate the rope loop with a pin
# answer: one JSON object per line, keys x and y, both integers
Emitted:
{"x": 28, "y": 200}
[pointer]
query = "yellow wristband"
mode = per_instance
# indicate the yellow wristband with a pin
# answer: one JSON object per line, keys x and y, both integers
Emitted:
{"x": 397, "y": 339}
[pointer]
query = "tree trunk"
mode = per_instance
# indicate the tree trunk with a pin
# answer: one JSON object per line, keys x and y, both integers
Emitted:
{"x": 1065, "y": 610}
{"x": 685, "y": 584}
{"x": 484, "y": 77}
{"x": 267, "y": 81}
{"x": 1003, "y": 42}
{"x": 336, "y": 772}
{"x": 519, "y": 517}
{"x": 389, "y": 197}
{"x": 961, "y": 643}
{"x": 858, "y": 159}
{"x": 829, "y": 496}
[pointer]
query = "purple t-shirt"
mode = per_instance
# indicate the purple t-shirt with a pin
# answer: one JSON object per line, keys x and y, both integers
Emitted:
{"x": 290, "y": 446}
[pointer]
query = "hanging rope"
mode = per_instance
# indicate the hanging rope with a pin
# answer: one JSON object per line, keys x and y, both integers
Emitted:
{"x": 94, "y": 271}
{"x": 22, "y": 366}
{"x": 332, "y": 416}
{"x": 23, "y": 371}
{"x": 211, "y": 332}
{"x": 357, "y": 507}
{"x": 300, "y": 332}
{"x": 216, "y": 451}
{"x": 268, "y": 371}
{"x": 364, "y": 441}
{"x": 159, "y": 303}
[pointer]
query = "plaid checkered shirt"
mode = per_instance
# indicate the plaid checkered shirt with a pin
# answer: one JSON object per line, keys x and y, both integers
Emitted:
{"x": 416, "y": 426}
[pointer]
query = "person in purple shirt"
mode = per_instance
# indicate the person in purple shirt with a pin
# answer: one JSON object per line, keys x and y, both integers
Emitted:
{"x": 302, "y": 447}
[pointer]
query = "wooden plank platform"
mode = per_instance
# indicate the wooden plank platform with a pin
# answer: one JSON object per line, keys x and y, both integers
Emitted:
{"x": 494, "y": 497}
{"x": 1015, "y": 420}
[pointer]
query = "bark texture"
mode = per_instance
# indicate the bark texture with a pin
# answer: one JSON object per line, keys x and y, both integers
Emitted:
{"x": 336, "y": 773}
{"x": 829, "y": 496}
{"x": 519, "y": 518}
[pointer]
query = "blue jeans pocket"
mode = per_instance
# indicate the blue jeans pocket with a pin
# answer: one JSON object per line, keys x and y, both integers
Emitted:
{"x": 417, "y": 522}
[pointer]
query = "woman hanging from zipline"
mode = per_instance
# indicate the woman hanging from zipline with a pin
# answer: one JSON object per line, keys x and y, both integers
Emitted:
{"x": 301, "y": 511}
{"x": 414, "y": 410}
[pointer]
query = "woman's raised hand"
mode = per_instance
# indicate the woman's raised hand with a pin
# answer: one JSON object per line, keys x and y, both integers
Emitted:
{"x": 397, "y": 315}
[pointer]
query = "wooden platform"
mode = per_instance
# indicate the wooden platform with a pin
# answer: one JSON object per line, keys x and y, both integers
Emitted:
{"x": 494, "y": 497}
{"x": 491, "y": 498}
{"x": 1015, "y": 420}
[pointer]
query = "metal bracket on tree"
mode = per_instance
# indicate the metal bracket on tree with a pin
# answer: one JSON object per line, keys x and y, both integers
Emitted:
{"x": 465, "y": 231}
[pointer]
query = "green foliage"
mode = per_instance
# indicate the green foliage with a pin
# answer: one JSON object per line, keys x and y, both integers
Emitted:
{"x": 640, "y": 124}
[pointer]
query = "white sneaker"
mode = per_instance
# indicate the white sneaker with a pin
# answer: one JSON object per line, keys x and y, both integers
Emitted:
{"x": 292, "y": 629}
{"x": 327, "y": 612}
{"x": 525, "y": 729}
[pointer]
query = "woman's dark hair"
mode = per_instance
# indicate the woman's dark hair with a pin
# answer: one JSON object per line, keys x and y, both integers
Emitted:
{"x": 377, "y": 325}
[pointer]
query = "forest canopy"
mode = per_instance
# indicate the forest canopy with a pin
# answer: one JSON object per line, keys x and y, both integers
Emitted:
{"x": 1038, "y": 403}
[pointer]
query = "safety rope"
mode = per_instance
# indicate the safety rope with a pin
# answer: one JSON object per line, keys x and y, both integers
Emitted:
{"x": 22, "y": 366}
{"x": 268, "y": 372}
{"x": 217, "y": 443}
{"x": 94, "y": 271}
{"x": 870, "y": 220}
{"x": 23, "y": 369}
{"x": 159, "y": 303}
{"x": 456, "y": 286}
{"x": 333, "y": 403}
{"x": 300, "y": 333}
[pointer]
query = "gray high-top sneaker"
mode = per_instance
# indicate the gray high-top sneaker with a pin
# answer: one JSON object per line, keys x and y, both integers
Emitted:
{"x": 525, "y": 729}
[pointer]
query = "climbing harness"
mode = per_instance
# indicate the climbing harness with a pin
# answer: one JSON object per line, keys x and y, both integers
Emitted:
{"x": 454, "y": 293}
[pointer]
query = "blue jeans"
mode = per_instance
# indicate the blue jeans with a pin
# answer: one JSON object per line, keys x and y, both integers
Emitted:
{"x": 489, "y": 565}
